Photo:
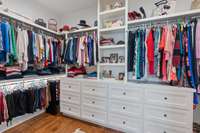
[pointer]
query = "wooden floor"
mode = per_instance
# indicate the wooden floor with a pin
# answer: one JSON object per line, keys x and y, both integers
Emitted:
{"x": 46, "y": 123}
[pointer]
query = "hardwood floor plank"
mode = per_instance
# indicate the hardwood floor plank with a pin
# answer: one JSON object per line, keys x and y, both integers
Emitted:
{"x": 47, "y": 123}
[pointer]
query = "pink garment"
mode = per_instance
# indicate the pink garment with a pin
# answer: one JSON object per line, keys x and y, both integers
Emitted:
{"x": 198, "y": 41}
{"x": 6, "y": 116}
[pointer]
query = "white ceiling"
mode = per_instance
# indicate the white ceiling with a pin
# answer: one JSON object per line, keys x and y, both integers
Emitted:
{"x": 65, "y": 6}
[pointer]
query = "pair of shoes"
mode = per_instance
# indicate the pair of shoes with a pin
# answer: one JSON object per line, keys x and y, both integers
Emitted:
{"x": 135, "y": 15}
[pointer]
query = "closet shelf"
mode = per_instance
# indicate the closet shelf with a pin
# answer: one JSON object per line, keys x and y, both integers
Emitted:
{"x": 27, "y": 21}
{"x": 112, "y": 29}
{"x": 112, "y": 64}
{"x": 112, "y": 47}
{"x": 83, "y": 30}
{"x": 117, "y": 10}
{"x": 165, "y": 17}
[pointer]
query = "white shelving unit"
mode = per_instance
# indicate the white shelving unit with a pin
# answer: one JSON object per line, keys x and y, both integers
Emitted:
{"x": 117, "y": 33}
{"x": 83, "y": 30}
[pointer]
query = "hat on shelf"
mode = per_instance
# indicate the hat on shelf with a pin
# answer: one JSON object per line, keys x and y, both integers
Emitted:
{"x": 65, "y": 28}
{"x": 83, "y": 23}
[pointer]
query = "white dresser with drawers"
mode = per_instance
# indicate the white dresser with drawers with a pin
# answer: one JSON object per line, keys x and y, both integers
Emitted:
{"x": 129, "y": 107}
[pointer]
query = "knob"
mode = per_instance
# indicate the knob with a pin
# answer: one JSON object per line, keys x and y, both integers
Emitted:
{"x": 124, "y": 108}
{"x": 124, "y": 93}
{"x": 69, "y": 98}
{"x": 164, "y": 132}
{"x": 70, "y": 86}
{"x": 92, "y": 115}
{"x": 165, "y": 115}
{"x": 124, "y": 122}
{"x": 69, "y": 109}
{"x": 93, "y": 89}
{"x": 93, "y": 102}
{"x": 166, "y": 98}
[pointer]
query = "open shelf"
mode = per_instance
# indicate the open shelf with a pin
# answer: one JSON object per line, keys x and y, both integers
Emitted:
{"x": 112, "y": 47}
{"x": 83, "y": 30}
{"x": 113, "y": 11}
{"x": 165, "y": 17}
{"x": 112, "y": 29}
{"x": 112, "y": 64}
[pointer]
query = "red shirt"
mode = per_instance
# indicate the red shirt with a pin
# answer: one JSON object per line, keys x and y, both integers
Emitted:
{"x": 150, "y": 52}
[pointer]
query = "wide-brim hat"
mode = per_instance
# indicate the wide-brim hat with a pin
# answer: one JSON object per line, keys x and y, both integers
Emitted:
{"x": 83, "y": 23}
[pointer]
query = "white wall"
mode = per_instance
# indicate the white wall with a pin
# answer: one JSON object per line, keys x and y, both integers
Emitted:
{"x": 31, "y": 9}
{"x": 73, "y": 18}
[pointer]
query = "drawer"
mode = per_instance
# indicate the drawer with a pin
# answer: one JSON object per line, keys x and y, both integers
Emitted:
{"x": 74, "y": 87}
{"x": 125, "y": 108}
{"x": 129, "y": 93}
{"x": 128, "y": 124}
{"x": 150, "y": 127}
{"x": 169, "y": 98}
{"x": 169, "y": 116}
{"x": 70, "y": 97}
{"x": 69, "y": 109}
{"x": 95, "y": 89}
{"x": 99, "y": 103}
{"x": 94, "y": 115}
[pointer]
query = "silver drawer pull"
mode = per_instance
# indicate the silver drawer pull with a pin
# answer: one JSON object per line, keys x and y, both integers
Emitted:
{"x": 164, "y": 132}
{"x": 124, "y": 108}
{"x": 70, "y": 86}
{"x": 69, "y": 109}
{"x": 69, "y": 98}
{"x": 124, "y": 122}
{"x": 93, "y": 102}
{"x": 92, "y": 115}
{"x": 165, "y": 115}
{"x": 165, "y": 98}
{"x": 124, "y": 93}
{"x": 93, "y": 89}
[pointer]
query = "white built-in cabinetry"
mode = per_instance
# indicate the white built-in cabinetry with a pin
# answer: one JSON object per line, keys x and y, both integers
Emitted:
{"x": 128, "y": 107}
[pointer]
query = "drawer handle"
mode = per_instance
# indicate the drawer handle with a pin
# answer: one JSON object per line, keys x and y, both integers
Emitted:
{"x": 69, "y": 109}
{"x": 70, "y": 86}
{"x": 92, "y": 115}
{"x": 165, "y": 98}
{"x": 124, "y": 93}
{"x": 165, "y": 115}
{"x": 124, "y": 108}
{"x": 164, "y": 132}
{"x": 69, "y": 98}
{"x": 93, "y": 102}
{"x": 124, "y": 122}
{"x": 93, "y": 89}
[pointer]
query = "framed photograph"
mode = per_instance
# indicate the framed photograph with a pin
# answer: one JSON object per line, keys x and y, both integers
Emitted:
{"x": 121, "y": 76}
{"x": 114, "y": 58}
{"x": 121, "y": 59}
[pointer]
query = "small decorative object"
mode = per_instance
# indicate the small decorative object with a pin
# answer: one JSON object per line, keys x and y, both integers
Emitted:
{"x": 195, "y": 4}
{"x": 114, "y": 58}
{"x": 121, "y": 59}
{"x": 117, "y": 4}
{"x": 121, "y": 76}
{"x": 52, "y": 24}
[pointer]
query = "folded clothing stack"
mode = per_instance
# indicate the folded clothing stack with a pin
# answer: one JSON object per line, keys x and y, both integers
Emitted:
{"x": 106, "y": 41}
{"x": 91, "y": 71}
{"x": 75, "y": 72}
{"x": 10, "y": 72}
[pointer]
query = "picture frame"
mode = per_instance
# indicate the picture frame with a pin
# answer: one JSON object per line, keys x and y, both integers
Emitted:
{"x": 114, "y": 58}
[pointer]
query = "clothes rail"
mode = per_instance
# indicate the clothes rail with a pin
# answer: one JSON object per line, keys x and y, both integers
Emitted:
{"x": 28, "y": 22}
{"x": 85, "y": 30}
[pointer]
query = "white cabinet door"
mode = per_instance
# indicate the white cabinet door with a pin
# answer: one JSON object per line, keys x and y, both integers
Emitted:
{"x": 128, "y": 124}
{"x": 150, "y": 127}
{"x": 173, "y": 117}
{"x": 70, "y": 109}
{"x": 128, "y": 93}
{"x": 94, "y": 115}
{"x": 126, "y": 108}
{"x": 95, "y": 102}
{"x": 167, "y": 97}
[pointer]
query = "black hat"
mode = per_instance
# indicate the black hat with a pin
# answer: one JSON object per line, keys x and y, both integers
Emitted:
{"x": 83, "y": 23}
